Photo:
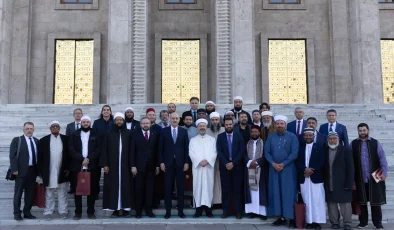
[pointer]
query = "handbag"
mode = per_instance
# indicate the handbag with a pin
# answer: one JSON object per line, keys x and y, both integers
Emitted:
{"x": 356, "y": 209}
{"x": 39, "y": 197}
{"x": 9, "y": 175}
{"x": 299, "y": 212}
{"x": 83, "y": 184}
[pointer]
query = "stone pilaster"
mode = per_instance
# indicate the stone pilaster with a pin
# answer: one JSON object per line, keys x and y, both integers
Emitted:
{"x": 5, "y": 48}
{"x": 364, "y": 31}
{"x": 243, "y": 47}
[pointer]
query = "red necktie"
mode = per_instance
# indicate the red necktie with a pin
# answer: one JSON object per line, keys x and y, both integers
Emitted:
{"x": 146, "y": 136}
{"x": 298, "y": 128}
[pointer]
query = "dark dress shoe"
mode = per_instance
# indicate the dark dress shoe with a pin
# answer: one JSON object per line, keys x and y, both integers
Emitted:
{"x": 279, "y": 222}
{"x": 167, "y": 215}
{"x": 210, "y": 215}
{"x": 251, "y": 215}
{"x": 115, "y": 214}
{"x": 263, "y": 217}
{"x": 196, "y": 215}
{"x": 309, "y": 226}
{"x": 91, "y": 216}
{"x": 347, "y": 227}
{"x": 181, "y": 215}
{"x": 150, "y": 214}
{"x": 238, "y": 216}
{"x": 126, "y": 214}
{"x": 224, "y": 215}
{"x": 29, "y": 216}
{"x": 317, "y": 226}
{"x": 77, "y": 216}
{"x": 292, "y": 224}
{"x": 138, "y": 216}
{"x": 18, "y": 218}
{"x": 335, "y": 226}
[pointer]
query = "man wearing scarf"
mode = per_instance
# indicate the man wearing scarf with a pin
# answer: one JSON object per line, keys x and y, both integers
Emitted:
{"x": 238, "y": 103}
{"x": 130, "y": 123}
{"x": 256, "y": 176}
{"x": 115, "y": 159}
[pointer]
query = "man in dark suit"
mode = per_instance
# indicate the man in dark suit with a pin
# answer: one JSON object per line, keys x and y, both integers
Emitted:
{"x": 84, "y": 149}
{"x": 334, "y": 126}
{"x": 194, "y": 102}
{"x": 130, "y": 122}
{"x": 231, "y": 149}
{"x": 76, "y": 124}
{"x": 24, "y": 167}
{"x": 310, "y": 166}
{"x": 174, "y": 161}
{"x": 319, "y": 138}
{"x": 298, "y": 125}
{"x": 144, "y": 166}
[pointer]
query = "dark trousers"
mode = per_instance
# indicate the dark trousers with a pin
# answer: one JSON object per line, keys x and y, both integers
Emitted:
{"x": 91, "y": 199}
{"x": 25, "y": 184}
{"x": 376, "y": 211}
{"x": 174, "y": 173}
{"x": 144, "y": 187}
{"x": 97, "y": 184}
{"x": 232, "y": 182}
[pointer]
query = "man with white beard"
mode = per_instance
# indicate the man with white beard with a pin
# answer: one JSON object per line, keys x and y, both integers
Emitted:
{"x": 267, "y": 126}
{"x": 216, "y": 129}
{"x": 202, "y": 152}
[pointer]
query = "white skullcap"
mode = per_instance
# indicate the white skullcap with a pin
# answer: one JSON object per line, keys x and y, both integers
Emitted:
{"x": 202, "y": 120}
{"x": 129, "y": 108}
{"x": 280, "y": 118}
{"x": 54, "y": 122}
{"x": 238, "y": 98}
{"x": 229, "y": 112}
{"x": 266, "y": 113}
{"x": 119, "y": 115}
{"x": 209, "y": 102}
{"x": 214, "y": 114}
{"x": 86, "y": 118}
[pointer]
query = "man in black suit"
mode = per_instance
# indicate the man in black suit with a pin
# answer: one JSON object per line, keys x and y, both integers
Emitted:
{"x": 130, "y": 122}
{"x": 144, "y": 165}
{"x": 76, "y": 124}
{"x": 24, "y": 167}
{"x": 84, "y": 149}
{"x": 174, "y": 161}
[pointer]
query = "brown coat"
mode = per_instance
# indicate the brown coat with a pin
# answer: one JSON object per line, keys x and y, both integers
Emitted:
{"x": 263, "y": 134}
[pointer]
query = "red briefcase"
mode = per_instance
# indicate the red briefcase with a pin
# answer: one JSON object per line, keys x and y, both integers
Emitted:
{"x": 39, "y": 197}
{"x": 83, "y": 184}
{"x": 356, "y": 209}
{"x": 188, "y": 180}
{"x": 299, "y": 212}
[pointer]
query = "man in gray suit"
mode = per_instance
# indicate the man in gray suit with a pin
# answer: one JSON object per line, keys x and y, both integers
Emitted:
{"x": 24, "y": 167}
{"x": 76, "y": 124}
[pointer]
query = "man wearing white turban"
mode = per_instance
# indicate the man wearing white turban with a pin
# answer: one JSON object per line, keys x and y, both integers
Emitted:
{"x": 238, "y": 103}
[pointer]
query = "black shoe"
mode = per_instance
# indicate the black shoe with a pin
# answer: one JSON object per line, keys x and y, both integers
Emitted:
{"x": 77, "y": 216}
{"x": 197, "y": 214}
{"x": 224, "y": 215}
{"x": 317, "y": 226}
{"x": 150, "y": 214}
{"x": 361, "y": 226}
{"x": 126, "y": 213}
{"x": 115, "y": 214}
{"x": 309, "y": 226}
{"x": 29, "y": 216}
{"x": 18, "y": 217}
{"x": 347, "y": 227}
{"x": 181, "y": 215}
{"x": 238, "y": 216}
{"x": 279, "y": 222}
{"x": 335, "y": 226}
{"x": 210, "y": 215}
{"x": 91, "y": 216}
{"x": 138, "y": 216}
{"x": 167, "y": 215}
{"x": 251, "y": 215}
{"x": 263, "y": 217}
{"x": 292, "y": 224}
{"x": 379, "y": 226}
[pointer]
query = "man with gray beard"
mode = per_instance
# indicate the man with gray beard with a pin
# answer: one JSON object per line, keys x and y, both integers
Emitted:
{"x": 216, "y": 129}
{"x": 338, "y": 181}
{"x": 267, "y": 126}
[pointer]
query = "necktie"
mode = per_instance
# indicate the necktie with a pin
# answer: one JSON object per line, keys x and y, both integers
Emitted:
{"x": 230, "y": 147}
{"x": 146, "y": 136}
{"x": 77, "y": 126}
{"x": 33, "y": 152}
{"x": 331, "y": 128}
{"x": 194, "y": 115}
{"x": 298, "y": 128}
{"x": 174, "y": 135}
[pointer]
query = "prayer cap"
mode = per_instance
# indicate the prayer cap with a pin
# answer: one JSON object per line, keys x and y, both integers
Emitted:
{"x": 238, "y": 98}
{"x": 54, "y": 122}
{"x": 119, "y": 115}
{"x": 229, "y": 112}
{"x": 209, "y": 102}
{"x": 255, "y": 127}
{"x": 309, "y": 130}
{"x": 214, "y": 114}
{"x": 150, "y": 110}
{"x": 129, "y": 108}
{"x": 86, "y": 118}
{"x": 266, "y": 113}
{"x": 332, "y": 133}
{"x": 201, "y": 111}
{"x": 201, "y": 121}
{"x": 280, "y": 118}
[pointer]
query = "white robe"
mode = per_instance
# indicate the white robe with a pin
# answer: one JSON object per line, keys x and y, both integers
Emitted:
{"x": 203, "y": 148}
{"x": 56, "y": 153}
{"x": 254, "y": 206}
{"x": 217, "y": 187}
{"x": 313, "y": 195}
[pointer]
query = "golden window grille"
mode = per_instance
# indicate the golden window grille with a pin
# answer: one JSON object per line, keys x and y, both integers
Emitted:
{"x": 387, "y": 53}
{"x": 287, "y": 72}
{"x": 180, "y": 70}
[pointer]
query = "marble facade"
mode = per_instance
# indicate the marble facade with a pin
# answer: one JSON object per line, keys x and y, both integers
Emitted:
{"x": 342, "y": 45}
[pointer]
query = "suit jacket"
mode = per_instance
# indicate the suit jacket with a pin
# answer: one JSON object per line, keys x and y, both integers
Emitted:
{"x": 144, "y": 154}
{"x": 167, "y": 148}
{"x": 21, "y": 164}
{"x": 70, "y": 129}
{"x": 250, "y": 121}
{"x": 44, "y": 159}
{"x": 316, "y": 161}
{"x": 340, "y": 129}
{"x": 292, "y": 127}
{"x": 239, "y": 150}
{"x": 75, "y": 150}
{"x": 134, "y": 125}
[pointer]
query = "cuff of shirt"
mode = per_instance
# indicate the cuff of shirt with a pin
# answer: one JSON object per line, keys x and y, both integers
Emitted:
{"x": 248, "y": 164}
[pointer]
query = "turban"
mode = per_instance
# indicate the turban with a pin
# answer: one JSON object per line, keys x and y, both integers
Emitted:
{"x": 332, "y": 133}
{"x": 229, "y": 112}
{"x": 129, "y": 108}
{"x": 201, "y": 121}
{"x": 119, "y": 115}
{"x": 309, "y": 130}
{"x": 209, "y": 102}
{"x": 255, "y": 127}
{"x": 238, "y": 98}
{"x": 150, "y": 110}
{"x": 85, "y": 118}
{"x": 54, "y": 122}
{"x": 266, "y": 113}
{"x": 214, "y": 114}
{"x": 201, "y": 111}
{"x": 280, "y": 118}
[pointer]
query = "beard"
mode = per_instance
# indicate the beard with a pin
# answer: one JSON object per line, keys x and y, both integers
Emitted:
{"x": 129, "y": 119}
{"x": 333, "y": 146}
{"x": 267, "y": 125}
{"x": 254, "y": 138}
{"x": 165, "y": 123}
{"x": 237, "y": 108}
{"x": 363, "y": 136}
{"x": 215, "y": 128}
{"x": 229, "y": 130}
{"x": 280, "y": 130}
{"x": 188, "y": 126}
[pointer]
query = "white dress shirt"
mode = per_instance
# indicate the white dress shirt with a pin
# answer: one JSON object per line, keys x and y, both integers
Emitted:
{"x": 85, "y": 141}
{"x": 128, "y": 125}
{"x": 29, "y": 148}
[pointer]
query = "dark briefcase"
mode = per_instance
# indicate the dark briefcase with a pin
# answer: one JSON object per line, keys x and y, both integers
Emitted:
{"x": 83, "y": 184}
{"x": 356, "y": 209}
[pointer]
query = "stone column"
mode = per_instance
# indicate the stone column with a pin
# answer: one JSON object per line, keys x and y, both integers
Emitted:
{"x": 5, "y": 48}
{"x": 340, "y": 52}
{"x": 364, "y": 37}
{"x": 243, "y": 50}
{"x": 119, "y": 52}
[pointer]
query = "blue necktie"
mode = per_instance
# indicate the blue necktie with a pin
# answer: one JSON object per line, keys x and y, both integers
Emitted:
{"x": 174, "y": 135}
{"x": 230, "y": 147}
{"x": 331, "y": 128}
{"x": 194, "y": 116}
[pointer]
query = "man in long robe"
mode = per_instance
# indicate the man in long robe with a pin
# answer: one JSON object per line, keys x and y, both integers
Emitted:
{"x": 202, "y": 152}
{"x": 213, "y": 131}
{"x": 267, "y": 126}
{"x": 310, "y": 165}
{"x": 256, "y": 176}
{"x": 115, "y": 159}
{"x": 281, "y": 150}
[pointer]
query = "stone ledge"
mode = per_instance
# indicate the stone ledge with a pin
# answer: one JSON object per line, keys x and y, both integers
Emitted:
{"x": 386, "y": 6}
{"x": 278, "y": 6}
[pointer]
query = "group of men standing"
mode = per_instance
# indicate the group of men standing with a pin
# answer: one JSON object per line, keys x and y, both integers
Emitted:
{"x": 255, "y": 164}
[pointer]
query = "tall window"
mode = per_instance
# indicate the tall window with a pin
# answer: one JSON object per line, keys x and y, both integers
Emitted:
{"x": 287, "y": 72}
{"x": 74, "y": 72}
{"x": 285, "y": 1}
{"x": 76, "y": 1}
{"x": 387, "y": 53}
{"x": 386, "y": 1}
{"x": 181, "y": 1}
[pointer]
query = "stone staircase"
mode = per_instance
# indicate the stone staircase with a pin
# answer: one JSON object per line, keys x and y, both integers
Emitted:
{"x": 379, "y": 117}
